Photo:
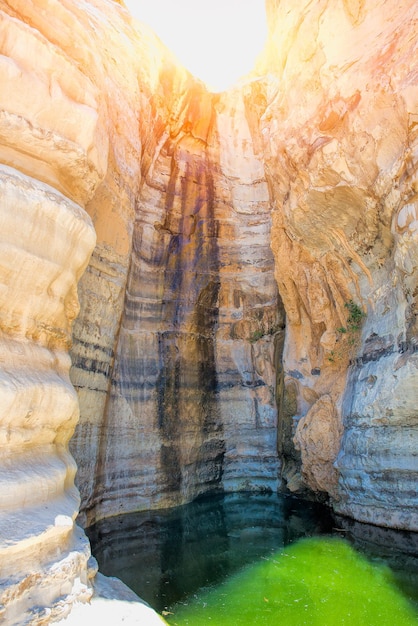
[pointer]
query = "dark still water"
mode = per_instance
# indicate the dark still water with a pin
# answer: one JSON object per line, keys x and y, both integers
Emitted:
{"x": 180, "y": 560}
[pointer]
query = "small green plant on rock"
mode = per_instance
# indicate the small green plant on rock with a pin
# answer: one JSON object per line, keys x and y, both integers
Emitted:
{"x": 256, "y": 335}
{"x": 349, "y": 333}
{"x": 354, "y": 320}
{"x": 261, "y": 332}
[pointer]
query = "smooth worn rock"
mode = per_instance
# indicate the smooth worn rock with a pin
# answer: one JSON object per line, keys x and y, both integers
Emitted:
{"x": 112, "y": 602}
{"x": 45, "y": 242}
{"x": 192, "y": 384}
{"x": 248, "y": 319}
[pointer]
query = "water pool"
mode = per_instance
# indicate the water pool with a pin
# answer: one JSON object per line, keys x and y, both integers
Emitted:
{"x": 262, "y": 559}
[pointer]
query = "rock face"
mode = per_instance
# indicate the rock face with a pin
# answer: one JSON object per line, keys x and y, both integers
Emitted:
{"x": 218, "y": 218}
{"x": 341, "y": 161}
{"x": 191, "y": 405}
{"x": 185, "y": 400}
{"x": 46, "y": 240}
{"x": 53, "y": 154}
{"x": 174, "y": 348}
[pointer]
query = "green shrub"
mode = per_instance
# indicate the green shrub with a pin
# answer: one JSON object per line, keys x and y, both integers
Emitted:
{"x": 348, "y": 334}
{"x": 256, "y": 335}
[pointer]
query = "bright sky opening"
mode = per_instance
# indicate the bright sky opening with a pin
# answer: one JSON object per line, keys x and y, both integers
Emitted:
{"x": 216, "y": 40}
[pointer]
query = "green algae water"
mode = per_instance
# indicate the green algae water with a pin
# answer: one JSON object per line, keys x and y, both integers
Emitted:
{"x": 262, "y": 559}
{"x": 316, "y": 581}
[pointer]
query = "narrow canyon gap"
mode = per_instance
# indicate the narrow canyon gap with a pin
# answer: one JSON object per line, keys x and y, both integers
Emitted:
{"x": 214, "y": 348}
{"x": 191, "y": 405}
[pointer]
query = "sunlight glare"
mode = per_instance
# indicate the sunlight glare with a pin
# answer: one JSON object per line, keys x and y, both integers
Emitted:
{"x": 216, "y": 40}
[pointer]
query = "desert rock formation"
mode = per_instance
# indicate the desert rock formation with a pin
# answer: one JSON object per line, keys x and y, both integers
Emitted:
{"x": 248, "y": 315}
{"x": 341, "y": 161}
{"x": 46, "y": 240}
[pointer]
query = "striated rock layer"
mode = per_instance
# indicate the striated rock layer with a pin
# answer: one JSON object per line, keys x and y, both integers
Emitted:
{"x": 53, "y": 153}
{"x": 45, "y": 243}
{"x": 218, "y": 217}
{"x": 174, "y": 348}
{"x": 191, "y": 404}
{"x": 313, "y": 154}
{"x": 341, "y": 160}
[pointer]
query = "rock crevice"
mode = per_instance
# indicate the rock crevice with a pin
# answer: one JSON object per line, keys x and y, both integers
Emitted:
{"x": 237, "y": 235}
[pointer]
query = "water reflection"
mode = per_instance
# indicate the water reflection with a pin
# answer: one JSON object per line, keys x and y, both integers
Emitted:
{"x": 166, "y": 556}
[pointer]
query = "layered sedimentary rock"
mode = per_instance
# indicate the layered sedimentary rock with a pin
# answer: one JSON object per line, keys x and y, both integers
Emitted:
{"x": 216, "y": 215}
{"x": 341, "y": 160}
{"x": 191, "y": 405}
{"x": 53, "y": 152}
{"x": 46, "y": 240}
{"x": 174, "y": 349}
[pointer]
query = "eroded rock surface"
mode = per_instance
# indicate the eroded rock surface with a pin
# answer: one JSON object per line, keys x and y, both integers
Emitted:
{"x": 218, "y": 217}
{"x": 191, "y": 406}
{"x": 174, "y": 349}
{"x": 313, "y": 155}
{"x": 341, "y": 161}
{"x": 46, "y": 240}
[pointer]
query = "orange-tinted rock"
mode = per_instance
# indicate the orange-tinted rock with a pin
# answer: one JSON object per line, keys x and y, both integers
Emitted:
{"x": 341, "y": 152}
{"x": 192, "y": 383}
{"x": 215, "y": 215}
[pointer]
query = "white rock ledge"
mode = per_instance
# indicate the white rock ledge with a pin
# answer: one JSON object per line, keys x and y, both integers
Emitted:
{"x": 112, "y": 603}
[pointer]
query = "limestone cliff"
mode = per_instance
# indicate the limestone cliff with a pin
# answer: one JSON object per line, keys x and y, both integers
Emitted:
{"x": 174, "y": 349}
{"x": 320, "y": 139}
{"x": 218, "y": 218}
{"x": 50, "y": 166}
{"x": 190, "y": 405}
{"x": 341, "y": 161}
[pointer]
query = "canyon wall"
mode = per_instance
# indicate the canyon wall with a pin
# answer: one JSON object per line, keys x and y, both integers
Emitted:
{"x": 49, "y": 168}
{"x": 190, "y": 405}
{"x": 174, "y": 347}
{"x": 314, "y": 155}
{"x": 341, "y": 160}
{"x": 57, "y": 140}
{"x": 248, "y": 315}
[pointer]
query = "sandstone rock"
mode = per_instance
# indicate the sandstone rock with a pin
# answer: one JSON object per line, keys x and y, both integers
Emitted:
{"x": 192, "y": 385}
{"x": 112, "y": 601}
{"x": 61, "y": 134}
{"x": 340, "y": 148}
{"x": 318, "y": 437}
{"x": 317, "y": 154}
{"x": 45, "y": 243}
{"x": 217, "y": 218}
